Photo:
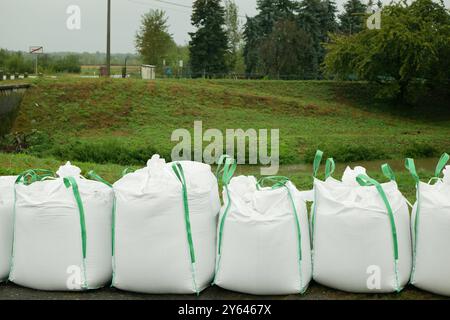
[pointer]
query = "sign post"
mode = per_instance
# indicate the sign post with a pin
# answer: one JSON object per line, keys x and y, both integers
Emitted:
{"x": 36, "y": 50}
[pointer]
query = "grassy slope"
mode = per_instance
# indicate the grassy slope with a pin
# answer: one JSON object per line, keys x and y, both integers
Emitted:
{"x": 123, "y": 121}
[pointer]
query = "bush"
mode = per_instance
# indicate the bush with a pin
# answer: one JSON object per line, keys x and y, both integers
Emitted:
{"x": 109, "y": 151}
{"x": 421, "y": 151}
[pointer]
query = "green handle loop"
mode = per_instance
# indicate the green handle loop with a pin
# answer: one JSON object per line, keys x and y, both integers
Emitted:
{"x": 411, "y": 167}
{"x": 70, "y": 182}
{"x": 228, "y": 170}
{"x": 126, "y": 171}
{"x": 388, "y": 172}
{"x": 441, "y": 164}
{"x": 366, "y": 181}
{"x": 278, "y": 182}
{"x": 94, "y": 176}
{"x": 220, "y": 163}
{"x": 330, "y": 166}
{"x": 33, "y": 175}
{"x": 317, "y": 160}
{"x": 179, "y": 172}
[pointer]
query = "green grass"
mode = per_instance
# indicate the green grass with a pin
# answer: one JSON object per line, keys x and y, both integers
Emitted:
{"x": 125, "y": 121}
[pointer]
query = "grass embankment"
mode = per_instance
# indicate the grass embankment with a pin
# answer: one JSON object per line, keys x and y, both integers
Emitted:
{"x": 125, "y": 121}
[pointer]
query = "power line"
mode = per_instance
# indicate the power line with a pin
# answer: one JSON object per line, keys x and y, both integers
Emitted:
{"x": 158, "y": 6}
{"x": 173, "y": 4}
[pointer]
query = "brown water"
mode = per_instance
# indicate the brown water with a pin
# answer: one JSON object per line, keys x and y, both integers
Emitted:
{"x": 375, "y": 165}
{"x": 396, "y": 165}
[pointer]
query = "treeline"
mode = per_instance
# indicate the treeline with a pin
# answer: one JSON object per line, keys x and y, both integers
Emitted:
{"x": 60, "y": 62}
{"x": 285, "y": 40}
{"x": 405, "y": 53}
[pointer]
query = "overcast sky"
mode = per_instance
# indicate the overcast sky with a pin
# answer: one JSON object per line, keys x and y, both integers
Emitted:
{"x": 25, "y": 23}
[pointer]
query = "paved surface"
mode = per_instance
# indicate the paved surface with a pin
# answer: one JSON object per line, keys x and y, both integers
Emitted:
{"x": 10, "y": 291}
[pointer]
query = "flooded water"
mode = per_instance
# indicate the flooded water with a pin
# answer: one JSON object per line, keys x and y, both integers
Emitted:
{"x": 396, "y": 165}
{"x": 428, "y": 164}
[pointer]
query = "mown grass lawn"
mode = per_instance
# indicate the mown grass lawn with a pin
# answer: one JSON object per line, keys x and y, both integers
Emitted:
{"x": 124, "y": 121}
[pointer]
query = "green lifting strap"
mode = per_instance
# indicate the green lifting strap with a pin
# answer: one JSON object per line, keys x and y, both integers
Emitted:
{"x": 388, "y": 172}
{"x": 441, "y": 165}
{"x": 126, "y": 171}
{"x": 179, "y": 172}
{"x": 411, "y": 167}
{"x": 330, "y": 167}
{"x": 316, "y": 164}
{"x": 94, "y": 176}
{"x": 33, "y": 175}
{"x": 366, "y": 181}
{"x": 70, "y": 182}
{"x": 299, "y": 236}
{"x": 278, "y": 182}
{"x": 228, "y": 172}
{"x": 229, "y": 168}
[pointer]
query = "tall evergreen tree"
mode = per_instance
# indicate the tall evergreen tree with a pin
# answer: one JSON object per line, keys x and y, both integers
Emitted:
{"x": 287, "y": 51}
{"x": 234, "y": 32}
{"x": 258, "y": 28}
{"x": 271, "y": 11}
{"x": 318, "y": 19}
{"x": 353, "y": 18}
{"x": 209, "y": 44}
{"x": 252, "y": 38}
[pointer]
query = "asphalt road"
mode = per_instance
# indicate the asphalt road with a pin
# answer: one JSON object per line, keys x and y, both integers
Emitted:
{"x": 10, "y": 291}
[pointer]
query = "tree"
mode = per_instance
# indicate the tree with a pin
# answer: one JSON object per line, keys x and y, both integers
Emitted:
{"x": 153, "y": 41}
{"x": 408, "y": 56}
{"x": 272, "y": 11}
{"x": 258, "y": 28}
{"x": 209, "y": 44}
{"x": 318, "y": 19}
{"x": 353, "y": 18}
{"x": 252, "y": 37}
{"x": 287, "y": 50}
{"x": 234, "y": 33}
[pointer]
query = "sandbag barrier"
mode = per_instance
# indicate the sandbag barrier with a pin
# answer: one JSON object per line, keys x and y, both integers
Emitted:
{"x": 163, "y": 230}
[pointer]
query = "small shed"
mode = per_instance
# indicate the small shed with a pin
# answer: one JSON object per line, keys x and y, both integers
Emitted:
{"x": 148, "y": 72}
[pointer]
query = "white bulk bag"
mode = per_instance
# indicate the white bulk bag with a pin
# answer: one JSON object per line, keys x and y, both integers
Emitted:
{"x": 62, "y": 233}
{"x": 264, "y": 244}
{"x": 165, "y": 228}
{"x": 431, "y": 232}
{"x": 6, "y": 224}
{"x": 359, "y": 245}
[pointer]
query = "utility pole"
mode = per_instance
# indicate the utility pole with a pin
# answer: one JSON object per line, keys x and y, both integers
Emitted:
{"x": 108, "y": 41}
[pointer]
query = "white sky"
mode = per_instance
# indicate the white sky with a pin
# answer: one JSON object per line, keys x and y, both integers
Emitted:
{"x": 43, "y": 22}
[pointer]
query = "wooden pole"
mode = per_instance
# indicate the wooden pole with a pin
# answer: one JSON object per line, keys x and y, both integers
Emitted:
{"x": 108, "y": 41}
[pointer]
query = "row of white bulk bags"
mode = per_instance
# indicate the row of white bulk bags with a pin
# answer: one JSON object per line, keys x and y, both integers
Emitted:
{"x": 62, "y": 233}
{"x": 431, "y": 231}
{"x": 165, "y": 228}
{"x": 264, "y": 243}
{"x": 361, "y": 234}
{"x": 6, "y": 224}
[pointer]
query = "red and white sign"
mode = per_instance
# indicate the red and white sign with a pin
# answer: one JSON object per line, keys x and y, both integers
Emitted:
{"x": 36, "y": 49}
